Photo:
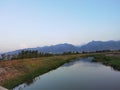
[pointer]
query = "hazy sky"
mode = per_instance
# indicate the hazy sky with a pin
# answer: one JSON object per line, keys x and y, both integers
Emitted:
{"x": 32, "y": 23}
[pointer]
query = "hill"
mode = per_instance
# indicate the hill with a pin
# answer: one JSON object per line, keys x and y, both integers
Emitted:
{"x": 89, "y": 47}
{"x": 100, "y": 45}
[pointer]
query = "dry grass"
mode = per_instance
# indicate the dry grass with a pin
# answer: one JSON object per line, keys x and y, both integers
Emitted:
{"x": 15, "y": 72}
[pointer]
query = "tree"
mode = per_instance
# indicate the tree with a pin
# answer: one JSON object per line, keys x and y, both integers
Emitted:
{"x": 3, "y": 56}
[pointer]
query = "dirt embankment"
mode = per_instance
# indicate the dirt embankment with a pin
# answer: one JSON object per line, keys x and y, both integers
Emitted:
{"x": 15, "y": 72}
{"x": 7, "y": 70}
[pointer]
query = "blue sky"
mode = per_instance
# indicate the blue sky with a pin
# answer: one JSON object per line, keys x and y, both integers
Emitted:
{"x": 32, "y": 23}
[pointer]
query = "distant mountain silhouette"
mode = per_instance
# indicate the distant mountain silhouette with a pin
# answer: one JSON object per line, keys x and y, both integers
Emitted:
{"x": 100, "y": 45}
{"x": 59, "y": 48}
{"x": 55, "y": 49}
{"x": 90, "y": 47}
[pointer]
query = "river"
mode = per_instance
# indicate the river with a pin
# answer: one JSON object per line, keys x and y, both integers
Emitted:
{"x": 81, "y": 74}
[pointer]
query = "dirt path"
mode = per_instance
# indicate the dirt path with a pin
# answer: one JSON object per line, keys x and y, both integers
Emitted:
{"x": 2, "y": 88}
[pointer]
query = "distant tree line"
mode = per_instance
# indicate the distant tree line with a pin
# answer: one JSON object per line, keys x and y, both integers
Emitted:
{"x": 31, "y": 54}
{"x": 35, "y": 54}
{"x": 25, "y": 54}
{"x": 68, "y": 53}
{"x": 100, "y": 51}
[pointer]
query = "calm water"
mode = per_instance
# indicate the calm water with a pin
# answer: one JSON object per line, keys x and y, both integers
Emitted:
{"x": 78, "y": 75}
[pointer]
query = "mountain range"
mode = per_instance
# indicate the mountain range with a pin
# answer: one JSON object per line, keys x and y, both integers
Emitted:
{"x": 89, "y": 47}
{"x": 100, "y": 45}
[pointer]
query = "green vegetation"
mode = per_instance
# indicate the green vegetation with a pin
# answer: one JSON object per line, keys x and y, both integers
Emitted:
{"x": 27, "y": 69}
{"x": 26, "y": 54}
{"x": 113, "y": 61}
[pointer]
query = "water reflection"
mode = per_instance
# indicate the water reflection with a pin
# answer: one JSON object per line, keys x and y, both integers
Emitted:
{"x": 88, "y": 59}
{"x": 76, "y": 75}
{"x": 31, "y": 81}
{"x": 20, "y": 87}
{"x": 27, "y": 83}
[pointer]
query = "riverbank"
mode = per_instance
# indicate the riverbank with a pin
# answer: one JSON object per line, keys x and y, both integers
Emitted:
{"x": 15, "y": 72}
{"x": 2, "y": 88}
{"x": 108, "y": 59}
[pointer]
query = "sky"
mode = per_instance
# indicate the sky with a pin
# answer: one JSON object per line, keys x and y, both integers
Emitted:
{"x": 33, "y": 23}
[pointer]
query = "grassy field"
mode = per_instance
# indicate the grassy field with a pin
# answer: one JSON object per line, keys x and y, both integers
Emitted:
{"x": 15, "y": 72}
{"x": 110, "y": 60}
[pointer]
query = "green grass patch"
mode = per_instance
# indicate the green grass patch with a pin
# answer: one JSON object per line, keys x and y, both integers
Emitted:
{"x": 108, "y": 60}
{"x": 31, "y": 68}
